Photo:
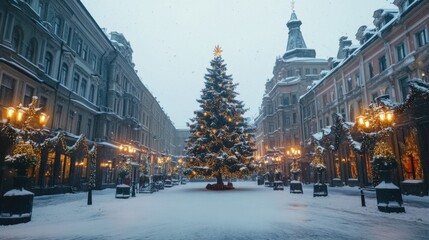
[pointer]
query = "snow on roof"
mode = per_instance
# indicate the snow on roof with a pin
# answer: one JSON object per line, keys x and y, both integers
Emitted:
{"x": 318, "y": 136}
{"x": 360, "y": 48}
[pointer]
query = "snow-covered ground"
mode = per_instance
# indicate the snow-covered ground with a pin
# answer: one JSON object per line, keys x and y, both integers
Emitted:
{"x": 248, "y": 212}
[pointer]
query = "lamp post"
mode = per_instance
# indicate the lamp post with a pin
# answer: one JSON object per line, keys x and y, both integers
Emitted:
{"x": 278, "y": 182}
{"x": 375, "y": 125}
{"x": 295, "y": 184}
{"x": 127, "y": 154}
{"x": 22, "y": 123}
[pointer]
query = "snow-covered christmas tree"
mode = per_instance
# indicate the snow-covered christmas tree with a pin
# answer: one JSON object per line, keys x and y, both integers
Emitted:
{"x": 221, "y": 142}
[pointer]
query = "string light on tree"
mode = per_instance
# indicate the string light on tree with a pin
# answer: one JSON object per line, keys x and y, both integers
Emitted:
{"x": 221, "y": 143}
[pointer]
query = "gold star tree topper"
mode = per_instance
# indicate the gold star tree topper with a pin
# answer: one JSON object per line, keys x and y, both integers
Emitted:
{"x": 217, "y": 51}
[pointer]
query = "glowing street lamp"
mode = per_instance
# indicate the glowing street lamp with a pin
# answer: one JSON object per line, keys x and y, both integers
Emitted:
{"x": 23, "y": 116}
{"x": 295, "y": 184}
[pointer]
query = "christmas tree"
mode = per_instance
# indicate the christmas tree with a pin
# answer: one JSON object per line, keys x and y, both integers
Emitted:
{"x": 221, "y": 143}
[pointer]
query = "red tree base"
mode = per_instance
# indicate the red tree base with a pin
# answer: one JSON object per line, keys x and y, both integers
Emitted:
{"x": 218, "y": 187}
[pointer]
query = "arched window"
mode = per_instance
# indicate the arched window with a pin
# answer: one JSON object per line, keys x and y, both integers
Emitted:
{"x": 17, "y": 37}
{"x": 48, "y": 63}
{"x": 64, "y": 74}
{"x": 31, "y": 51}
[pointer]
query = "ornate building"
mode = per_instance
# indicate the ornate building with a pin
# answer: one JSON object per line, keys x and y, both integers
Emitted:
{"x": 395, "y": 51}
{"x": 85, "y": 81}
{"x": 278, "y": 123}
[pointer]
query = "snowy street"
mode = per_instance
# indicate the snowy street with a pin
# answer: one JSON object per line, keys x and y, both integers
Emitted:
{"x": 248, "y": 212}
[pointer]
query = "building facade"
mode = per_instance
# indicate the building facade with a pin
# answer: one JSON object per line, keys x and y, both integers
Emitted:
{"x": 380, "y": 67}
{"x": 85, "y": 81}
{"x": 278, "y": 125}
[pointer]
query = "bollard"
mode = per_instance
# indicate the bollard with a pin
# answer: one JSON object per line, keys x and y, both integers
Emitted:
{"x": 362, "y": 198}
{"x": 133, "y": 190}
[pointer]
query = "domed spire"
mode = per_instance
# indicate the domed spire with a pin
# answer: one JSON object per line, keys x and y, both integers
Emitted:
{"x": 295, "y": 39}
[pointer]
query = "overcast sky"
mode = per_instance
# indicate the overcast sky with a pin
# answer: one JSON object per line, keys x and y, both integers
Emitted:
{"x": 173, "y": 40}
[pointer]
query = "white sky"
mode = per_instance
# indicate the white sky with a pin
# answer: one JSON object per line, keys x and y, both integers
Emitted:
{"x": 173, "y": 40}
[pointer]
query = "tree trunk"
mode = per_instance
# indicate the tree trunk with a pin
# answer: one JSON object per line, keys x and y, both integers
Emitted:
{"x": 219, "y": 178}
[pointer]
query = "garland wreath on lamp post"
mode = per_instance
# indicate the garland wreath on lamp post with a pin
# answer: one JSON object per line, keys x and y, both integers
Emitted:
{"x": 22, "y": 124}
{"x": 319, "y": 188}
{"x": 376, "y": 125}
{"x": 295, "y": 170}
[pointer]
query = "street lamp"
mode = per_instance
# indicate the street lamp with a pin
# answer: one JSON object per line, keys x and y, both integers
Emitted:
{"x": 27, "y": 118}
{"x": 127, "y": 154}
{"x": 295, "y": 184}
{"x": 376, "y": 123}
{"x": 17, "y": 207}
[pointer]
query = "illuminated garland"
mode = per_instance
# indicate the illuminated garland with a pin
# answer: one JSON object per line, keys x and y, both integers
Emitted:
{"x": 221, "y": 142}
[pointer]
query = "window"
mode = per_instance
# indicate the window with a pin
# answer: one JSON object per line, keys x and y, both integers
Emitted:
{"x": 94, "y": 62}
{"x": 64, "y": 74}
{"x": 6, "y": 90}
{"x": 285, "y": 100}
{"x": 370, "y": 70}
{"x": 315, "y": 71}
{"x": 307, "y": 71}
{"x": 30, "y": 54}
{"x": 88, "y": 129}
{"x": 58, "y": 113}
{"x": 91, "y": 93}
{"x": 271, "y": 127}
{"x": 17, "y": 37}
{"x": 28, "y": 95}
{"x": 83, "y": 87}
{"x": 294, "y": 99}
{"x": 77, "y": 43}
{"x": 327, "y": 121}
{"x": 289, "y": 73}
{"x": 325, "y": 99}
{"x": 320, "y": 123}
{"x": 79, "y": 46}
{"x": 67, "y": 33}
{"x": 404, "y": 87}
{"x": 382, "y": 63}
{"x": 287, "y": 121}
{"x": 75, "y": 85}
{"x": 349, "y": 84}
{"x": 421, "y": 38}
{"x": 79, "y": 124}
{"x": 270, "y": 109}
{"x": 352, "y": 113}
{"x": 400, "y": 51}
{"x": 48, "y": 63}
{"x": 42, "y": 102}
{"x": 71, "y": 119}
{"x": 57, "y": 26}
{"x": 85, "y": 52}
{"x": 294, "y": 118}
{"x": 357, "y": 80}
